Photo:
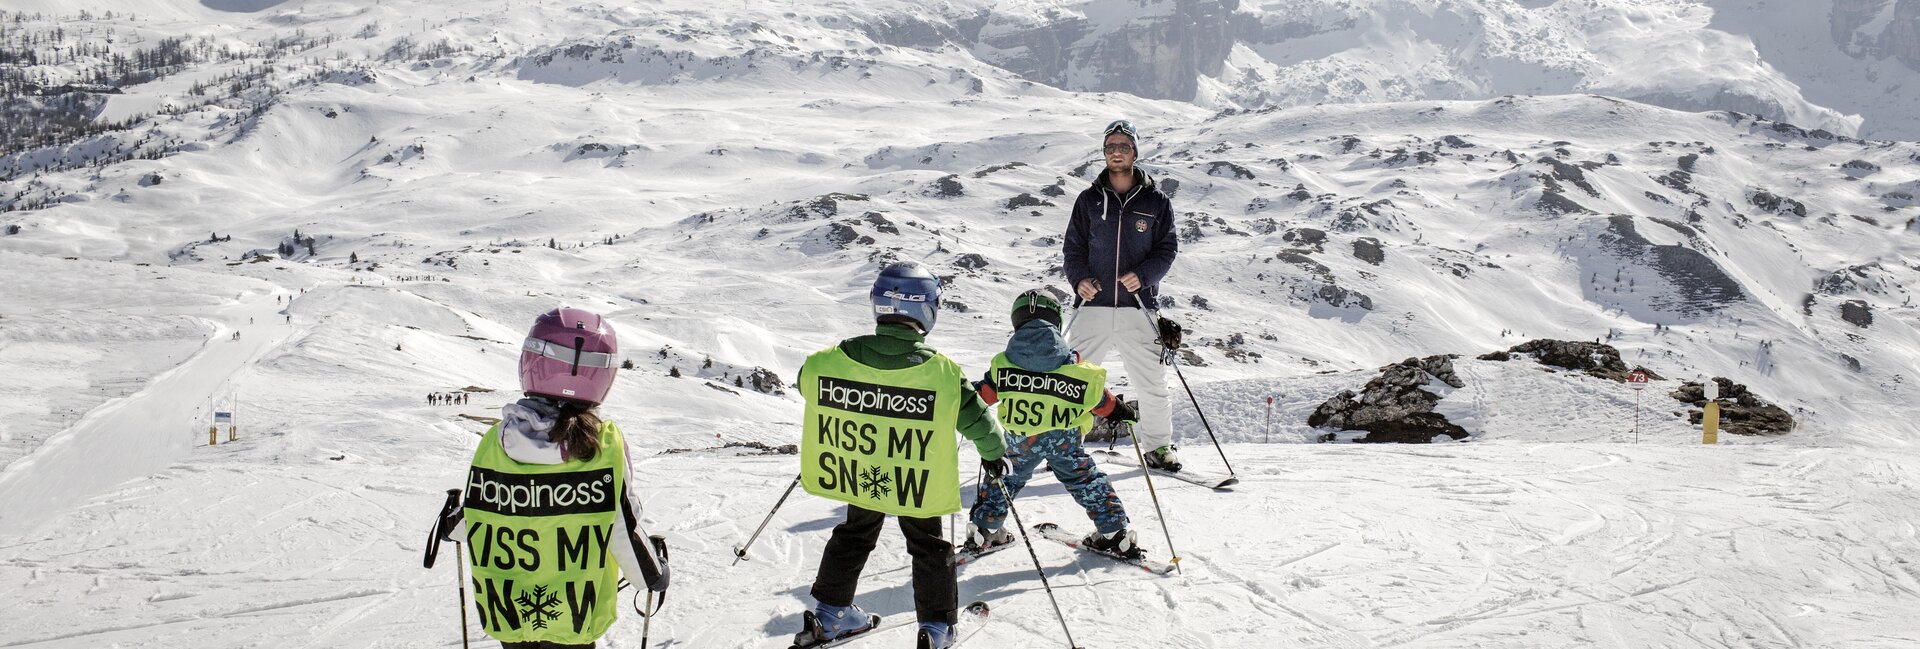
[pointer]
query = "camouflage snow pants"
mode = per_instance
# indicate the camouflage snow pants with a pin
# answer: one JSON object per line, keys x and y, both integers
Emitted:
{"x": 1070, "y": 464}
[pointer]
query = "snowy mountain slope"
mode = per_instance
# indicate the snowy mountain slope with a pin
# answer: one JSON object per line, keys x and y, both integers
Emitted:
{"x": 723, "y": 180}
{"x": 1297, "y": 53}
{"x": 1860, "y": 57}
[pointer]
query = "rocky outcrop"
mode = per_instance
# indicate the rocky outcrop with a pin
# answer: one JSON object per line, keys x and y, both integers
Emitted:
{"x": 1368, "y": 249}
{"x": 1596, "y": 359}
{"x": 1741, "y": 411}
{"x": 1306, "y": 238}
{"x": 1696, "y": 285}
{"x": 1394, "y": 407}
{"x": 1857, "y": 312}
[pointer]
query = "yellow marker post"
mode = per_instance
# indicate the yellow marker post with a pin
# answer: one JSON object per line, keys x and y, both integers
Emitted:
{"x": 213, "y": 435}
{"x": 233, "y": 433}
{"x": 1710, "y": 421}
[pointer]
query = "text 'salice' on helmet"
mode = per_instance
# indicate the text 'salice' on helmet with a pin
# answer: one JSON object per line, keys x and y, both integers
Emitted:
{"x": 906, "y": 292}
{"x": 570, "y": 354}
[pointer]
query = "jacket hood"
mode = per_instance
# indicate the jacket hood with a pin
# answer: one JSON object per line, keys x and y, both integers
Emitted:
{"x": 1038, "y": 347}
{"x": 525, "y": 429}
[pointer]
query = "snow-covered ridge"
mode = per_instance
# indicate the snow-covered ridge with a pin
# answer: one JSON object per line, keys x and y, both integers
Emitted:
{"x": 1843, "y": 65}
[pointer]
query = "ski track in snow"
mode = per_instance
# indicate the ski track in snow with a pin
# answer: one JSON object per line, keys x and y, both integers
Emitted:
{"x": 1486, "y": 544}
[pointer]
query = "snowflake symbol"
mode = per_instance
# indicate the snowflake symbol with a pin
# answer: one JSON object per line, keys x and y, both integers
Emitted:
{"x": 876, "y": 483}
{"x": 539, "y": 607}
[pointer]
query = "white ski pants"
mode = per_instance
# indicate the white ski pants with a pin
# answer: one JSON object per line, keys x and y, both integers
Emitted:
{"x": 1097, "y": 330}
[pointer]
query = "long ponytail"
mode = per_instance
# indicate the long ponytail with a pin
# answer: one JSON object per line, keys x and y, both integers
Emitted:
{"x": 577, "y": 431}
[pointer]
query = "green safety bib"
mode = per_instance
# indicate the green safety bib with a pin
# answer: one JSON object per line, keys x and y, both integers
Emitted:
{"x": 539, "y": 539}
{"x": 1032, "y": 403}
{"x": 882, "y": 439}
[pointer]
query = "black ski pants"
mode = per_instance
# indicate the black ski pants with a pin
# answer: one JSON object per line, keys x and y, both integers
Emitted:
{"x": 936, "y": 598}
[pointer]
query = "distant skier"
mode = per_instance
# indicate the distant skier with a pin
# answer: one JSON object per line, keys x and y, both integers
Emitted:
{"x": 1119, "y": 244}
{"x": 549, "y": 497}
{"x": 1047, "y": 401}
{"x": 878, "y": 435}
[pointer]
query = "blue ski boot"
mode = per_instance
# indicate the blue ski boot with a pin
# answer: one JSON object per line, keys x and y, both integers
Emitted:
{"x": 935, "y": 635}
{"x": 826, "y": 623}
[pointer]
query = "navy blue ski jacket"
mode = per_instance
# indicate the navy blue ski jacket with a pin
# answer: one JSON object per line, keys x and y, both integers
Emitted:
{"x": 1110, "y": 235}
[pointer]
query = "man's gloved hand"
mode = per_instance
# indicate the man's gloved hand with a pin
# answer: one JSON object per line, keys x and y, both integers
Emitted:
{"x": 997, "y": 468}
{"x": 1170, "y": 334}
{"x": 1124, "y": 410}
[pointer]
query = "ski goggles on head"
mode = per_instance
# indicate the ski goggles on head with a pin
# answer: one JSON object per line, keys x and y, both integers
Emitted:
{"x": 1121, "y": 126}
{"x": 564, "y": 354}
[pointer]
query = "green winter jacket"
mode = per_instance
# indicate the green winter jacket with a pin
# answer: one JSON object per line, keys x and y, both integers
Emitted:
{"x": 896, "y": 347}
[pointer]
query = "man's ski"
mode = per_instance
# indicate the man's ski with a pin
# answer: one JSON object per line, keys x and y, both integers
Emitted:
{"x": 1204, "y": 479}
{"x": 1051, "y": 531}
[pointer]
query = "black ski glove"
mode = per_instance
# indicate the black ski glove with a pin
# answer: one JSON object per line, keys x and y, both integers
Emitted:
{"x": 1170, "y": 334}
{"x": 659, "y": 585}
{"x": 1124, "y": 410}
{"x": 997, "y": 469}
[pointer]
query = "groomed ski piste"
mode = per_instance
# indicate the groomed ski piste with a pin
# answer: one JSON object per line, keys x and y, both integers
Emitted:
{"x": 723, "y": 180}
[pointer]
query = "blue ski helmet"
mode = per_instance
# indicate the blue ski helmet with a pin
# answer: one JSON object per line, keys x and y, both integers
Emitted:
{"x": 906, "y": 292}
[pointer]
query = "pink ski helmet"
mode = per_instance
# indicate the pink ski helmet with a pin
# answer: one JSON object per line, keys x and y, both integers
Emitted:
{"x": 570, "y": 354}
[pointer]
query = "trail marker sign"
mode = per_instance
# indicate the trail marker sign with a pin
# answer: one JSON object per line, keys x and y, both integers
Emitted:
{"x": 1637, "y": 380}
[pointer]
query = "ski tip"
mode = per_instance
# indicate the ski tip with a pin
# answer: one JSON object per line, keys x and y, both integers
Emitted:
{"x": 1042, "y": 527}
{"x": 1227, "y": 483}
{"x": 978, "y": 608}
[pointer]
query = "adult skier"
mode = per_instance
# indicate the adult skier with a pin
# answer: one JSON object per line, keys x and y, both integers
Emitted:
{"x": 880, "y": 415}
{"x": 548, "y": 499}
{"x": 1119, "y": 245}
{"x": 1047, "y": 400}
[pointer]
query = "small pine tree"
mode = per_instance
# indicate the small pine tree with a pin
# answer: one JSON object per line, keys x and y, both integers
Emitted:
{"x": 353, "y": 257}
{"x": 551, "y": 244}
{"x": 708, "y": 365}
{"x": 737, "y": 383}
{"x": 674, "y": 371}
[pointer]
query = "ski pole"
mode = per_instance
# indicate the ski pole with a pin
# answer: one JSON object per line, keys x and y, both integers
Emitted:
{"x": 740, "y": 551}
{"x": 1174, "y": 360}
{"x": 646, "y": 626}
{"x": 442, "y": 527}
{"x": 1155, "y": 495}
{"x": 1036, "y": 562}
{"x": 460, "y": 568}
